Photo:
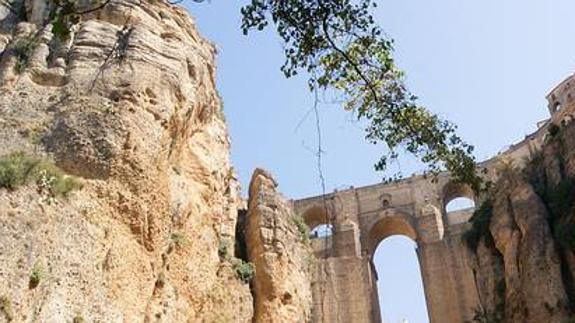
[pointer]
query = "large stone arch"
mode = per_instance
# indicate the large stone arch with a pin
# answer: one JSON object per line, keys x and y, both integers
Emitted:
{"x": 385, "y": 224}
{"x": 389, "y": 222}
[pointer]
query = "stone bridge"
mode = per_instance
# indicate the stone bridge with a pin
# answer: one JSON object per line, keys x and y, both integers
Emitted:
{"x": 345, "y": 285}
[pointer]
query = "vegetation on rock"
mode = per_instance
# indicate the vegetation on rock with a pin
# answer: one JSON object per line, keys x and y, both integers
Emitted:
{"x": 245, "y": 271}
{"x": 223, "y": 250}
{"x": 22, "y": 48}
{"x": 302, "y": 228}
{"x": 179, "y": 239}
{"x": 6, "y": 308}
{"x": 479, "y": 224}
{"x": 36, "y": 276}
{"x": 547, "y": 174}
{"x": 18, "y": 169}
{"x": 559, "y": 198}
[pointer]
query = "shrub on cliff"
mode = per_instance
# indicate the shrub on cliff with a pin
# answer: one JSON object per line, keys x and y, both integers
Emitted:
{"x": 479, "y": 224}
{"x": 245, "y": 271}
{"x": 18, "y": 169}
{"x": 23, "y": 48}
{"x": 15, "y": 170}
{"x": 36, "y": 276}
{"x": 179, "y": 239}
{"x": 302, "y": 228}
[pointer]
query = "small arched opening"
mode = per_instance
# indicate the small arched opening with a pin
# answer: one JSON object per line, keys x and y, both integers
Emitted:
{"x": 318, "y": 222}
{"x": 556, "y": 107}
{"x": 396, "y": 271}
{"x": 459, "y": 203}
{"x": 315, "y": 216}
{"x": 321, "y": 231}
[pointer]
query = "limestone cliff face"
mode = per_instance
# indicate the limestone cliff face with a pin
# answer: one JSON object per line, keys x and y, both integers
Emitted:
{"x": 128, "y": 105}
{"x": 534, "y": 288}
{"x": 523, "y": 266}
{"x": 282, "y": 286}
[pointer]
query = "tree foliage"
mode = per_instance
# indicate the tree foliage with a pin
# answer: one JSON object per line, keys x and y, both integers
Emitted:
{"x": 342, "y": 48}
{"x": 480, "y": 222}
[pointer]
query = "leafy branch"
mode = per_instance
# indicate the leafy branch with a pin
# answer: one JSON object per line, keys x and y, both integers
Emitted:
{"x": 339, "y": 43}
{"x": 64, "y": 14}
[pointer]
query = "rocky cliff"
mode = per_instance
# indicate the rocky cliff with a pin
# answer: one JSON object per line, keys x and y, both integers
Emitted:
{"x": 122, "y": 103}
{"x": 278, "y": 245}
{"x": 522, "y": 239}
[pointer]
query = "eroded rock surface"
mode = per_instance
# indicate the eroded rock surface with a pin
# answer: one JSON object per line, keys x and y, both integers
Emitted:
{"x": 128, "y": 105}
{"x": 534, "y": 286}
{"x": 282, "y": 290}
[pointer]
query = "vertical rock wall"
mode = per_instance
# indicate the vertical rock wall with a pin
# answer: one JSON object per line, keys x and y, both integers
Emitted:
{"x": 281, "y": 287}
{"x": 534, "y": 291}
{"x": 524, "y": 264}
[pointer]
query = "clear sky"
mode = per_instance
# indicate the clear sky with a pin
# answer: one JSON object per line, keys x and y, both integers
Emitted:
{"x": 484, "y": 64}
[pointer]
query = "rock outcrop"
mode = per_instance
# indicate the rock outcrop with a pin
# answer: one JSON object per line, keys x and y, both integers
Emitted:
{"x": 281, "y": 253}
{"x": 534, "y": 288}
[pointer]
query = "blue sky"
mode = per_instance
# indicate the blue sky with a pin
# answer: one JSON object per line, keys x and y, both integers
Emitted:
{"x": 485, "y": 65}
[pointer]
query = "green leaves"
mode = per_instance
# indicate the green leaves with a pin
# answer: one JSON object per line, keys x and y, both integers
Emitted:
{"x": 18, "y": 169}
{"x": 23, "y": 47}
{"x": 480, "y": 222}
{"x": 63, "y": 15}
{"x": 342, "y": 48}
{"x": 245, "y": 271}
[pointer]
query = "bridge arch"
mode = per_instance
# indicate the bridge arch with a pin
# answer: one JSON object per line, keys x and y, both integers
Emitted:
{"x": 390, "y": 222}
{"x": 316, "y": 216}
{"x": 386, "y": 227}
{"x": 453, "y": 190}
{"x": 459, "y": 201}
